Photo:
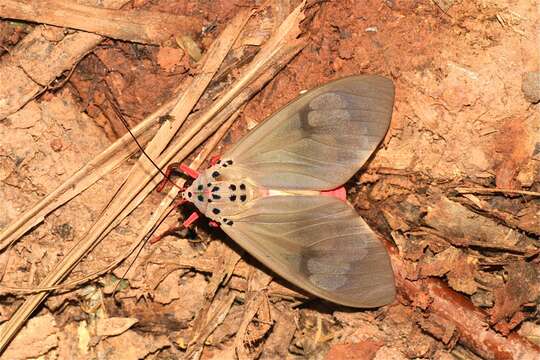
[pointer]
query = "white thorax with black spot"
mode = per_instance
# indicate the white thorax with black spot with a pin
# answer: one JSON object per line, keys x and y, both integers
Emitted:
{"x": 215, "y": 198}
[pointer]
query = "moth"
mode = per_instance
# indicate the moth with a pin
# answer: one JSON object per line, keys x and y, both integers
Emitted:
{"x": 278, "y": 192}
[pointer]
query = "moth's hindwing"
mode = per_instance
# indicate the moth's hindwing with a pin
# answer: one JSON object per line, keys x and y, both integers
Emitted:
{"x": 319, "y": 244}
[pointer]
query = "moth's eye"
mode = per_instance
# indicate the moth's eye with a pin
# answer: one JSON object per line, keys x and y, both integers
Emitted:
{"x": 216, "y": 188}
{"x": 230, "y": 222}
{"x": 243, "y": 197}
{"x": 232, "y": 187}
{"x": 216, "y": 197}
{"x": 232, "y": 197}
{"x": 209, "y": 184}
{"x": 215, "y": 174}
{"x": 218, "y": 162}
{"x": 216, "y": 211}
{"x": 230, "y": 162}
{"x": 200, "y": 187}
{"x": 200, "y": 198}
{"x": 242, "y": 186}
{"x": 209, "y": 200}
{"x": 189, "y": 194}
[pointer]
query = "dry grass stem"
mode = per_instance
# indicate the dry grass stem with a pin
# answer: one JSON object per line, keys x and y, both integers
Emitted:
{"x": 108, "y": 160}
{"x": 140, "y": 176}
{"x": 471, "y": 190}
{"x": 141, "y": 26}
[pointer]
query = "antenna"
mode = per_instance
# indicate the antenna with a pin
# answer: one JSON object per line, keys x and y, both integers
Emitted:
{"x": 124, "y": 122}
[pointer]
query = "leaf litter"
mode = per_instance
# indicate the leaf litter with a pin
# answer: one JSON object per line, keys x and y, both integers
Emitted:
{"x": 455, "y": 188}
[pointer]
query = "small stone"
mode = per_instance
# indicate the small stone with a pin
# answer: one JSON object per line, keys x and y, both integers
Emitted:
{"x": 56, "y": 145}
{"x": 530, "y": 85}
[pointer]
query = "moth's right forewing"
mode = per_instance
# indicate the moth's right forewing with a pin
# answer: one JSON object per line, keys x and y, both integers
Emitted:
{"x": 320, "y": 140}
{"x": 319, "y": 244}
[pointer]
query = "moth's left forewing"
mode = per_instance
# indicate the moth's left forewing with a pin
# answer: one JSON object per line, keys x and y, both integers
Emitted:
{"x": 320, "y": 140}
{"x": 319, "y": 244}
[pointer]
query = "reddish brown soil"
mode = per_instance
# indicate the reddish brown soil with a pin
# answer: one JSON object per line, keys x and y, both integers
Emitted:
{"x": 460, "y": 120}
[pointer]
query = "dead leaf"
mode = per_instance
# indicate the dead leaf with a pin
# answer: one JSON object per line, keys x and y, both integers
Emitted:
{"x": 113, "y": 326}
{"x": 190, "y": 46}
{"x": 130, "y": 346}
{"x": 523, "y": 286}
{"x": 364, "y": 350}
{"x": 34, "y": 340}
{"x": 513, "y": 147}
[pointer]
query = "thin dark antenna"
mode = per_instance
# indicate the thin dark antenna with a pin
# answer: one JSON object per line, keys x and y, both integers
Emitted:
{"x": 124, "y": 122}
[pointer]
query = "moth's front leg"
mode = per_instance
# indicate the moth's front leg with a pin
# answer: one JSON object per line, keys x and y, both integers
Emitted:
{"x": 176, "y": 167}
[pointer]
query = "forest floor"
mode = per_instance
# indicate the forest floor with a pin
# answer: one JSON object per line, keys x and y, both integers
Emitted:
{"x": 453, "y": 191}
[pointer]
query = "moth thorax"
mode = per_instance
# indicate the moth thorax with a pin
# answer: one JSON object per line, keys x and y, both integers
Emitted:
{"x": 197, "y": 193}
{"x": 217, "y": 199}
{"x": 228, "y": 193}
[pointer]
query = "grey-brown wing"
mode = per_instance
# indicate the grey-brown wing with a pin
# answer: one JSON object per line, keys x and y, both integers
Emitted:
{"x": 319, "y": 244}
{"x": 318, "y": 141}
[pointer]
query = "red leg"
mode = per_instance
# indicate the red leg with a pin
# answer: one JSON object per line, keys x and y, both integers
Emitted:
{"x": 179, "y": 167}
{"x": 214, "y": 159}
{"x": 170, "y": 231}
{"x": 190, "y": 220}
{"x": 173, "y": 229}
{"x": 213, "y": 224}
{"x": 189, "y": 171}
{"x": 168, "y": 171}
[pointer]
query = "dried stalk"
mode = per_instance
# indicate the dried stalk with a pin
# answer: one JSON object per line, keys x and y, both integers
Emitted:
{"x": 133, "y": 184}
{"x": 471, "y": 190}
{"x": 109, "y": 159}
{"x": 148, "y": 27}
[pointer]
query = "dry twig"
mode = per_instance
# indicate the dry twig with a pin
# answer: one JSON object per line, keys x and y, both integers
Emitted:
{"x": 146, "y": 27}
{"x": 472, "y": 190}
{"x": 142, "y": 174}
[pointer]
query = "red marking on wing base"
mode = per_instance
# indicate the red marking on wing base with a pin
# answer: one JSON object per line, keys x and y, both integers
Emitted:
{"x": 213, "y": 224}
{"x": 339, "y": 193}
{"x": 191, "y": 219}
{"x": 189, "y": 171}
{"x": 214, "y": 159}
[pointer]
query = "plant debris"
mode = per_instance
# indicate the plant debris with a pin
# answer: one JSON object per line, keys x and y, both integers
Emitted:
{"x": 453, "y": 191}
